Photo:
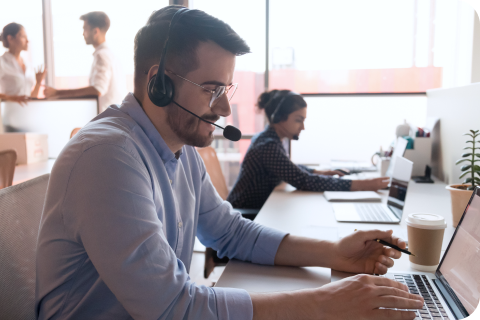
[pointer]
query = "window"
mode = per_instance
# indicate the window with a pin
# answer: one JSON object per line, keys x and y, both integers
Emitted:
{"x": 247, "y": 18}
{"x": 350, "y": 46}
{"x": 73, "y": 58}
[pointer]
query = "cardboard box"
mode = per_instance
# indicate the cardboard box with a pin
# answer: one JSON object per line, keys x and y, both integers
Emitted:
{"x": 30, "y": 147}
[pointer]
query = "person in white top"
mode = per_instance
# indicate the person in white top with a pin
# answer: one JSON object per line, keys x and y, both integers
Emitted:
{"x": 18, "y": 81}
{"x": 106, "y": 79}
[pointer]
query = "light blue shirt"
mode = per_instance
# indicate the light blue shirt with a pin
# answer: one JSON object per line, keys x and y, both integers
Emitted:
{"x": 120, "y": 218}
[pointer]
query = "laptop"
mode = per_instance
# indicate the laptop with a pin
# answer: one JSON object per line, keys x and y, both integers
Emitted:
{"x": 378, "y": 212}
{"x": 453, "y": 292}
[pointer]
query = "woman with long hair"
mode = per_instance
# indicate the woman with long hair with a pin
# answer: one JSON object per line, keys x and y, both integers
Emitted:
{"x": 267, "y": 164}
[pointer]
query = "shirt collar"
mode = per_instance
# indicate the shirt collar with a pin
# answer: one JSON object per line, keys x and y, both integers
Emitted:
{"x": 100, "y": 47}
{"x": 131, "y": 107}
{"x": 271, "y": 133}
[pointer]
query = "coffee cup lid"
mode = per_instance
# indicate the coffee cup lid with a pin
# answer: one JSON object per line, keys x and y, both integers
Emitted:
{"x": 426, "y": 221}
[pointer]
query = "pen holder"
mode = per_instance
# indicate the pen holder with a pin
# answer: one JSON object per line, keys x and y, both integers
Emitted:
{"x": 382, "y": 165}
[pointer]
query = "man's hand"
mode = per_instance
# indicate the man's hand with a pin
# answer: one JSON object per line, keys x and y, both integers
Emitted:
{"x": 360, "y": 253}
{"x": 370, "y": 184}
{"x": 361, "y": 296}
{"x": 358, "y": 297}
{"x": 50, "y": 92}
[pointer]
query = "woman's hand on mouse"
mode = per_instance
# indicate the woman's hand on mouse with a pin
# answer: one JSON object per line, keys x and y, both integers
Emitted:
{"x": 370, "y": 184}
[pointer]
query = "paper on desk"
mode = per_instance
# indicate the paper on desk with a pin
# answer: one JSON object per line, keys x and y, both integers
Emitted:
{"x": 352, "y": 196}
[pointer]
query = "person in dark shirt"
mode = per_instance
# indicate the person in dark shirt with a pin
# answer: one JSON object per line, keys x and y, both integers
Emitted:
{"x": 267, "y": 164}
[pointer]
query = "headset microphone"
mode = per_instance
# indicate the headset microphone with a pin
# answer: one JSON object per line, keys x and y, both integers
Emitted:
{"x": 229, "y": 132}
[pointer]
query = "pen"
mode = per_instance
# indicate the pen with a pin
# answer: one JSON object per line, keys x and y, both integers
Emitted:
{"x": 385, "y": 243}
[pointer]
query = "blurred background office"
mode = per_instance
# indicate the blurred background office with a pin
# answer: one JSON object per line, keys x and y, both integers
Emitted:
{"x": 362, "y": 66}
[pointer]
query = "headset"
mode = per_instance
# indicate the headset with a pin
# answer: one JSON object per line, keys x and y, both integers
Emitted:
{"x": 274, "y": 118}
{"x": 161, "y": 89}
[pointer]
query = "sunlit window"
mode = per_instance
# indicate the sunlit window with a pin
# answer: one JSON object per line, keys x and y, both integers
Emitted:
{"x": 73, "y": 58}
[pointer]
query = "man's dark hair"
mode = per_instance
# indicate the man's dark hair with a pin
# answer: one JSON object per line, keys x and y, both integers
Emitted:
{"x": 97, "y": 19}
{"x": 195, "y": 26}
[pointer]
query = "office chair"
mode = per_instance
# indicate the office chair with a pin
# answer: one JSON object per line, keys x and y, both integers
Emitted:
{"x": 20, "y": 212}
{"x": 8, "y": 158}
{"x": 214, "y": 170}
{"x": 74, "y": 132}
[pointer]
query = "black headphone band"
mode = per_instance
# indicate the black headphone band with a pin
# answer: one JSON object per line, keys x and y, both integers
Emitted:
{"x": 290, "y": 93}
{"x": 161, "y": 66}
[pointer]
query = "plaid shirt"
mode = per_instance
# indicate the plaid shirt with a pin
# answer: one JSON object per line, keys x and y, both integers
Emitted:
{"x": 266, "y": 165}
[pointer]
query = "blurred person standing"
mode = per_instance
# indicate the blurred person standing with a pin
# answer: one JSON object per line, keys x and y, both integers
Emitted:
{"x": 18, "y": 81}
{"x": 106, "y": 80}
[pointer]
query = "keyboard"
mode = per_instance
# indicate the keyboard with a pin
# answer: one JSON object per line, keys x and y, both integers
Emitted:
{"x": 418, "y": 284}
{"x": 372, "y": 212}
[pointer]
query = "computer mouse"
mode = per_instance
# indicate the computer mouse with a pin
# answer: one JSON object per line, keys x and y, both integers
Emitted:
{"x": 345, "y": 172}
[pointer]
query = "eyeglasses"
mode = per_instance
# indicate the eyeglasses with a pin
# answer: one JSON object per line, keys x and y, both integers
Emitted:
{"x": 229, "y": 90}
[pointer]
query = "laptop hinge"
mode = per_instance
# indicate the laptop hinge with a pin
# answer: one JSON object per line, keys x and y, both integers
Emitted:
{"x": 448, "y": 299}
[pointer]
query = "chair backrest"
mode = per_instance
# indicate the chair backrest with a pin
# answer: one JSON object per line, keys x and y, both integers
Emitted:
{"x": 7, "y": 167}
{"x": 20, "y": 212}
{"x": 74, "y": 132}
{"x": 212, "y": 164}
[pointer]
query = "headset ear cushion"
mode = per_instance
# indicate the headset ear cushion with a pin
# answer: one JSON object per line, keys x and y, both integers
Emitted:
{"x": 157, "y": 97}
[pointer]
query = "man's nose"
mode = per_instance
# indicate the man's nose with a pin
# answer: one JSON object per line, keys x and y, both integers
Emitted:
{"x": 221, "y": 106}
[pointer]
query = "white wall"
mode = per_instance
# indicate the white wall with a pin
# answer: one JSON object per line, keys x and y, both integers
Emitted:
{"x": 459, "y": 111}
{"x": 353, "y": 127}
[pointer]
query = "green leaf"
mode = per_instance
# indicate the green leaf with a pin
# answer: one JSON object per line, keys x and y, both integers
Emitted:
{"x": 468, "y": 148}
{"x": 471, "y": 188}
{"x": 466, "y": 154}
{"x": 476, "y": 168}
{"x": 473, "y": 131}
{"x": 468, "y": 134}
{"x": 477, "y": 154}
{"x": 465, "y": 168}
{"x": 463, "y": 160}
{"x": 469, "y": 141}
{"x": 468, "y": 180}
{"x": 464, "y": 174}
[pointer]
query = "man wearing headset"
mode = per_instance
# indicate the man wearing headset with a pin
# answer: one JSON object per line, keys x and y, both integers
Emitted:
{"x": 129, "y": 193}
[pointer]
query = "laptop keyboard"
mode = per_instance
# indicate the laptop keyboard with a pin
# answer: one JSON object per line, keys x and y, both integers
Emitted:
{"x": 418, "y": 284}
{"x": 372, "y": 212}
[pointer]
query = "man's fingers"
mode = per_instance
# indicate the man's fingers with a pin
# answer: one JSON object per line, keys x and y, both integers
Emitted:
{"x": 393, "y": 314}
{"x": 341, "y": 174}
{"x": 385, "y": 282}
{"x": 386, "y": 261}
{"x": 389, "y": 291}
{"x": 398, "y": 302}
{"x": 392, "y": 253}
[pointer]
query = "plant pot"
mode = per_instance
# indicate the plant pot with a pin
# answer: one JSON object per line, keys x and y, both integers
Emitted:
{"x": 460, "y": 200}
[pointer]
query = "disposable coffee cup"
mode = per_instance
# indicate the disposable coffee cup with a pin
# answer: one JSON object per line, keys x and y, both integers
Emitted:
{"x": 425, "y": 237}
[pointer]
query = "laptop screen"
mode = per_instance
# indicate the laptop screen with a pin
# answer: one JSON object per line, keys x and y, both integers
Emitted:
{"x": 402, "y": 173}
{"x": 460, "y": 266}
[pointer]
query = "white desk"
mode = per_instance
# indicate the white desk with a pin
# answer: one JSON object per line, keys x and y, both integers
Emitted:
{"x": 310, "y": 214}
{"x": 24, "y": 172}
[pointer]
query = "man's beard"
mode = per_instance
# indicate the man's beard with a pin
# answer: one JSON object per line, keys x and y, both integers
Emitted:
{"x": 185, "y": 127}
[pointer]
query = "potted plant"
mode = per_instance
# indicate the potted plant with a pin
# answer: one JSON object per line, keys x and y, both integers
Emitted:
{"x": 461, "y": 193}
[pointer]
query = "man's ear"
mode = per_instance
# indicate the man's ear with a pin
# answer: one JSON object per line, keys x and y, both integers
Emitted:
{"x": 152, "y": 71}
